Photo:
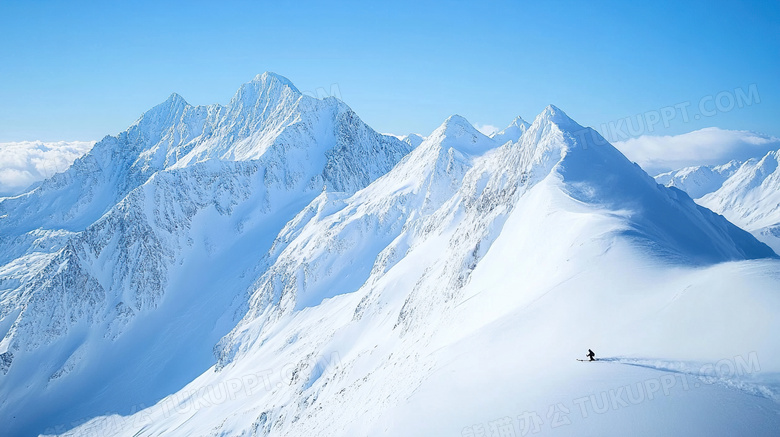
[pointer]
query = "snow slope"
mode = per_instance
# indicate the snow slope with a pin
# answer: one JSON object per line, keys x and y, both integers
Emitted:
{"x": 451, "y": 295}
{"x": 120, "y": 274}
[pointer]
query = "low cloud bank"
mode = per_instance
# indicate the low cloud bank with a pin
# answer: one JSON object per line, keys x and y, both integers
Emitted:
{"x": 709, "y": 146}
{"x": 24, "y": 163}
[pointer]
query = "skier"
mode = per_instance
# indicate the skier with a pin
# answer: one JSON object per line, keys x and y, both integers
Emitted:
{"x": 591, "y": 355}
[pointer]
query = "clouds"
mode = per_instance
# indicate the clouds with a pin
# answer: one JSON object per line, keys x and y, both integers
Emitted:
{"x": 26, "y": 162}
{"x": 487, "y": 129}
{"x": 657, "y": 154}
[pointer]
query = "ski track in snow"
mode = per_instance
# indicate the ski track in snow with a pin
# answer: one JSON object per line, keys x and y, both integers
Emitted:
{"x": 727, "y": 374}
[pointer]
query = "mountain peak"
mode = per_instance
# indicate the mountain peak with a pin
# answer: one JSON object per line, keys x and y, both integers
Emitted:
{"x": 457, "y": 133}
{"x": 269, "y": 78}
{"x": 267, "y": 87}
{"x": 554, "y": 115}
{"x": 457, "y": 120}
{"x": 457, "y": 126}
{"x": 413, "y": 139}
{"x": 175, "y": 98}
{"x": 513, "y": 132}
{"x": 169, "y": 109}
{"x": 519, "y": 122}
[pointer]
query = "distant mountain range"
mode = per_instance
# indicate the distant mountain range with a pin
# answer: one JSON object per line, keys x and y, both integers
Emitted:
{"x": 747, "y": 193}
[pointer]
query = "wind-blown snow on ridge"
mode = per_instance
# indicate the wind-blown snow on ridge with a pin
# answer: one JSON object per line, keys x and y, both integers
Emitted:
{"x": 665, "y": 220}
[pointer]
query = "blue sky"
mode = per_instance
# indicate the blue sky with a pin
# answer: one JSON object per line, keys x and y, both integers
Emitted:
{"x": 82, "y": 70}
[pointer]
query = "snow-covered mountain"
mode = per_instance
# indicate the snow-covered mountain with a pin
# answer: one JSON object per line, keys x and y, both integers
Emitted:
{"x": 746, "y": 193}
{"x": 699, "y": 180}
{"x": 751, "y": 198}
{"x": 513, "y": 132}
{"x": 275, "y": 267}
{"x": 137, "y": 228}
{"x": 413, "y": 140}
{"x": 337, "y": 234}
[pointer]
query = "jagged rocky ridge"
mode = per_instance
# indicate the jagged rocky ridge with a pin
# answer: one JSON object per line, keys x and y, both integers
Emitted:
{"x": 99, "y": 243}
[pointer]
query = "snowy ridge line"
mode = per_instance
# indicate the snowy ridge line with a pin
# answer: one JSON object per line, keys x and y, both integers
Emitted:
{"x": 738, "y": 373}
{"x": 331, "y": 231}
